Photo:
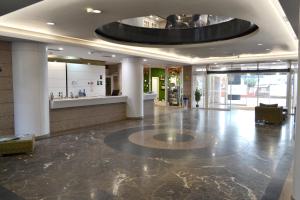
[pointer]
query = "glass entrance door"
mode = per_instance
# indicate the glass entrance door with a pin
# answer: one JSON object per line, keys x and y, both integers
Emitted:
{"x": 218, "y": 92}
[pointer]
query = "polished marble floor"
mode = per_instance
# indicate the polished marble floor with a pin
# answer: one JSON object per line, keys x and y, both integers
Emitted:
{"x": 176, "y": 154}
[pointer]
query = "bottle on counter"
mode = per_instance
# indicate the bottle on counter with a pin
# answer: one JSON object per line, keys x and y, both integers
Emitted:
{"x": 84, "y": 93}
{"x": 51, "y": 96}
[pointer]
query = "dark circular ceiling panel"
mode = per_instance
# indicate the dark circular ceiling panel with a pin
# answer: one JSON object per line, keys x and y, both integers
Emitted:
{"x": 176, "y": 29}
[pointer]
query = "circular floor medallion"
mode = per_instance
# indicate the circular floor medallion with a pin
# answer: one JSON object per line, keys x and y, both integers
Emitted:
{"x": 164, "y": 137}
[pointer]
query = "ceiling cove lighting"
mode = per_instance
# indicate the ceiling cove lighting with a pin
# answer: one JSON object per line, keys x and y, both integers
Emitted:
{"x": 91, "y": 10}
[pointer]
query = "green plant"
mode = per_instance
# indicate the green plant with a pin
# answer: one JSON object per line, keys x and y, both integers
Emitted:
{"x": 198, "y": 95}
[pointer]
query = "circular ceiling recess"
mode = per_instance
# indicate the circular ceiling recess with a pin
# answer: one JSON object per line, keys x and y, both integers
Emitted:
{"x": 176, "y": 29}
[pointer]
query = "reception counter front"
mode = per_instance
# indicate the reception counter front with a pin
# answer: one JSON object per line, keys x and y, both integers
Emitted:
{"x": 68, "y": 114}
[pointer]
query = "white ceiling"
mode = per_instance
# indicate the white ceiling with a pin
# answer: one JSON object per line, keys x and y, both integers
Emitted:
{"x": 108, "y": 57}
{"x": 76, "y": 27}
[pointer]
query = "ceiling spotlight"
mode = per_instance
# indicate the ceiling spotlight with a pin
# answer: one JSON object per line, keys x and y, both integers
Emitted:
{"x": 278, "y": 60}
{"x": 113, "y": 55}
{"x": 259, "y": 44}
{"x": 268, "y": 49}
{"x": 145, "y": 60}
{"x": 91, "y": 10}
{"x": 50, "y": 23}
{"x": 157, "y": 18}
{"x": 151, "y": 16}
{"x": 60, "y": 49}
{"x": 90, "y": 53}
{"x": 215, "y": 63}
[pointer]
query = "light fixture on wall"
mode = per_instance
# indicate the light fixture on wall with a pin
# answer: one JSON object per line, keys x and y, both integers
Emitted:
{"x": 91, "y": 10}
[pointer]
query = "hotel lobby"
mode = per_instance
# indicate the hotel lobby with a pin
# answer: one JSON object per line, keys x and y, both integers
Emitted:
{"x": 149, "y": 100}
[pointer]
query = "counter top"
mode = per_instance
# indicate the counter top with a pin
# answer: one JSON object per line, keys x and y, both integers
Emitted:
{"x": 86, "y": 101}
{"x": 90, "y": 101}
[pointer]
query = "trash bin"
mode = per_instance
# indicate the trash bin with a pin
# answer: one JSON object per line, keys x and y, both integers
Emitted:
{"x": 185, "y": 102}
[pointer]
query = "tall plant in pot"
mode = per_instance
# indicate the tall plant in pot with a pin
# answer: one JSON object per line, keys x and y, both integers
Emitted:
{"x": 198, "y": 95}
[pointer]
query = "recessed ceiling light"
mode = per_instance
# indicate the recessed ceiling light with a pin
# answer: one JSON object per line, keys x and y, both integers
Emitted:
{"x": 145, "y": 60}
{"x": 278, "y": 60}
{"x": 113, "y": 55}
{"x": 90, "y": 52}
{"x": 60, "y": 49}
{"x": 151, "y": 16}
{"x": 268, "y": 49}
{"x": 157, "y": 18}
{"x": 215, "y": 63}
{"x": 91, "y": 10}
{"x": 259, "y": 44}
{"x": 50, "y": 23}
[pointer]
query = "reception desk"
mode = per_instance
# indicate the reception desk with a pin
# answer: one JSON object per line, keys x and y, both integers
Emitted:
{"x": 68, "y": 114}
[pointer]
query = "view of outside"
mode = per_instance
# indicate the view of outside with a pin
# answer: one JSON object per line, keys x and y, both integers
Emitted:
{"x": 248, "y": 90}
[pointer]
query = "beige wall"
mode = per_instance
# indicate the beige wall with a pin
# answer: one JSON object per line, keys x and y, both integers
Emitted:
{"x": 6, "y": 90}
{"x": 80, "y": 117}
{"x": 187, "y": 83}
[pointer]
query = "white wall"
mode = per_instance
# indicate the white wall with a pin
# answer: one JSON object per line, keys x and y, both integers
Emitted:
{"x": 80, "y": 75}
{"x": 57, "y": 78}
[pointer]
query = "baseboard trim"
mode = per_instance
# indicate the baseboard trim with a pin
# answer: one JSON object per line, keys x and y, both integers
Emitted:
{"x": 136, "y": 118}
{"x": 41, "y": 137}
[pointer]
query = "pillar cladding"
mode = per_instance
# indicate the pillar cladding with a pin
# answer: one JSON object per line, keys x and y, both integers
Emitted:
{"x": 30, "y": 80}
{"x": 132, "y": 86}
{"x": 296, "y": 175}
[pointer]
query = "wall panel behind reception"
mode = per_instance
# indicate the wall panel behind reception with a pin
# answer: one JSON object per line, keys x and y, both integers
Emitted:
{"x": 6, "y": 90}
{"x": 57, "y": 78}
{"x": 88, "y": 77}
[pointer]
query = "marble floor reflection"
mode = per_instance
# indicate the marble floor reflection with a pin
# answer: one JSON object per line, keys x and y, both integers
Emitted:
{"x": 175, "y": 154}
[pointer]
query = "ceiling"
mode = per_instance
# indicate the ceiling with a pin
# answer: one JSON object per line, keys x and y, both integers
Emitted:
{"x": 13, "y": 5}
{"x": 291, "y": 8}
{"x": 73, "y": 26}
{"x": 91, "y": 54}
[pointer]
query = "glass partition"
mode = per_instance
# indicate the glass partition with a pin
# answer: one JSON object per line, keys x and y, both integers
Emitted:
{"x": 228, "y": 88}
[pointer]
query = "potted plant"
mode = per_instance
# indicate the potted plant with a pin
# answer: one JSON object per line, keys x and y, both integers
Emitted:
{"x": 198, "y": 95}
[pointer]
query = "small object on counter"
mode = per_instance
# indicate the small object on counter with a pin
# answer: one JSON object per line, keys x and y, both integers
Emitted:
{"x": 51, "y": 96}
{"x": 80, "y": 93}
{"x": 72, "y": 95}
{"x": 60, "y": 95}
{"x": 84, "y": 93}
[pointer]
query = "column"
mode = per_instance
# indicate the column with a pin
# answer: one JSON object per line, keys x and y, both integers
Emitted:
{"x": 296, "y": 175}
{"x": 288, "y": 89}
{"x": 132, "y": 86}
{"x": 30, "y": 80}
{"x": 166, "y": 86}
{"x": 206, "y": 89}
